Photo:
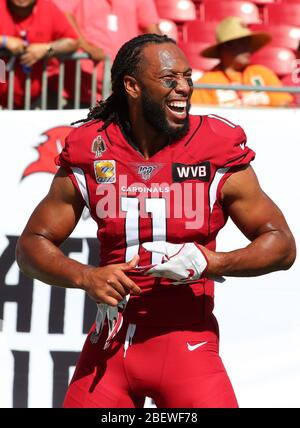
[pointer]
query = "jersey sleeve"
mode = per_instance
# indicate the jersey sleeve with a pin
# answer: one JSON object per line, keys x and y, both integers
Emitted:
{"x": 238, "y": 154}
{"x": 72, "y": 160}
{"x": 232, "y": 150}
{"x": 64, "y": 159}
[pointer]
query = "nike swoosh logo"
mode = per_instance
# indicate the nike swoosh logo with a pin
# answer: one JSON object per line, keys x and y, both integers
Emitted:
{"x": 193, "y": 347}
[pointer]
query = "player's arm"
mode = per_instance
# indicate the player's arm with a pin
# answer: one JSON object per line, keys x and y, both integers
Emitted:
{"x": 272, "y": 244}
{"x": 39, "y": 256}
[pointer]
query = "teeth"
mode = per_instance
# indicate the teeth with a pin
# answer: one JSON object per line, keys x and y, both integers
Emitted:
{"x": 180, "y": 104}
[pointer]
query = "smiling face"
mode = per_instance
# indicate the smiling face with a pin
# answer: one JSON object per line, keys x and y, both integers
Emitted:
{"x": 166, "y": 88}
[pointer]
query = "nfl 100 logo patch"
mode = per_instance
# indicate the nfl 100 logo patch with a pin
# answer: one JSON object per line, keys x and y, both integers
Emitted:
{"x": 146, "y": 171}
{"x": 105, "y": 171}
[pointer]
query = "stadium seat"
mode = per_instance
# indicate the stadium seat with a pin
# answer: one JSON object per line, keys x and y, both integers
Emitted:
{"x": 197, "y": 4}
{"x": 192, "y": 51}
{"x": 169, "y": 28}
{"x": 282, "y": 13}
{"x": 176, "y": 10}
{"x": 214, "y": 10}
{"x": 285, "y": 36}
{"x": 259, "y": 2}
{"x": 281, "y": 60}
{"x": 198, "y": 31}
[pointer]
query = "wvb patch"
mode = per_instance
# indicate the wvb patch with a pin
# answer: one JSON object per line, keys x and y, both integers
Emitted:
{"x": 199, "y": 171}
{"x": 105, "y": 171}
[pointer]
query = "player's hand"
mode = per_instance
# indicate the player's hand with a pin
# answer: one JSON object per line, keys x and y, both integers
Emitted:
{"x": 180, "y": 262}
{"x": 15, "y": 45}
{"x": 110, "y": 284}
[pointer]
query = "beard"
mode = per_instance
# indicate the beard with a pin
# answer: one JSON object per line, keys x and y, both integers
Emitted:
{"x": 21, "y": 10}
{"x": 156, "y": 117}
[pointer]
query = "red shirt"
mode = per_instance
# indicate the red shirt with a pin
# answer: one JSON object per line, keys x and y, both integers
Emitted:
{"x": 98, "y": 26}
{"x": 66, "y": 5}
{"x": 174, "y": 196}
{"x": 46, "y": 24}
{"x": 109, "y": 24}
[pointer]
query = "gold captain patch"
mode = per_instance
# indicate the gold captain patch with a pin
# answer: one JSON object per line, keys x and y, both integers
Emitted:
{"x": 105, "y": 171}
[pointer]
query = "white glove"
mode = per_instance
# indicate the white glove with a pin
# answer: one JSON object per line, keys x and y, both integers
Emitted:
{"x": 180, "y": 262}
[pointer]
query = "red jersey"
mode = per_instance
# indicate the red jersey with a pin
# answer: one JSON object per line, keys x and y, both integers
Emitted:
{"x": 174, "y": 196}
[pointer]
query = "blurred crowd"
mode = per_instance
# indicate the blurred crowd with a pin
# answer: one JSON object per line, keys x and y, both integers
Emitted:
{"x": 226, "y": 43}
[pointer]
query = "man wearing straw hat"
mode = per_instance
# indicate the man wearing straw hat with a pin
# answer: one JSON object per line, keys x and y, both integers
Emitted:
{"x": 234, "y": 45}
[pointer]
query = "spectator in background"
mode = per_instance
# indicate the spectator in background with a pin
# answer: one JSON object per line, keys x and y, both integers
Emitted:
{"x": 106, "y": 24}
{"x": 33, "y": 30}
{"x": 68, "y": 7}
{"x": 235, "y": 43}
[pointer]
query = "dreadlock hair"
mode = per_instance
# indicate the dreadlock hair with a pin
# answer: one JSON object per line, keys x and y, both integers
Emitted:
{"x": 126, "y": 62}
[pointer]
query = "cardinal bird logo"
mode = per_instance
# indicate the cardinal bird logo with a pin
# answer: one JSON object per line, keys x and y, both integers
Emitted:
{"x": 48, "y": 150}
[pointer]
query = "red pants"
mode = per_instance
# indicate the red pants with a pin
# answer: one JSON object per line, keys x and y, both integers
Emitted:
{"x": 177, "y": 368}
